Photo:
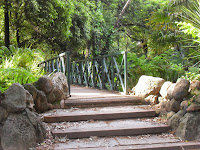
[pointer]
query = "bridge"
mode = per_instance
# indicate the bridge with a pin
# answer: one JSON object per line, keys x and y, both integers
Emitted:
{"x": 104, "y": 72}
{"x": 98, "y": 116}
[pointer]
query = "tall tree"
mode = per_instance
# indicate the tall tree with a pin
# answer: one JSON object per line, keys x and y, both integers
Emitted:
{"x": 6, "y": 25}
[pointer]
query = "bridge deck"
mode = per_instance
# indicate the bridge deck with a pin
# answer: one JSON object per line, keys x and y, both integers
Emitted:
{"x": 87, "y": 92}
{"x": 87, "y": 97}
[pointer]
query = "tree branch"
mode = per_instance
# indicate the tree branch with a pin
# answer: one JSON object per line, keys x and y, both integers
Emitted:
{"x": 121, "y": 13}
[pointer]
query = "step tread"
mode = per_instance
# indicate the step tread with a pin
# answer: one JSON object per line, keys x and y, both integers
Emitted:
{"x": 93, "y": 142}
{"x": 95, "y": 115}
{"x": 113, "y": 128}
{"x": 122, "y": 123}
{"x": 147, "y": 146}
{"x": 108, "y": 129}
{"x": 101, "y": 100}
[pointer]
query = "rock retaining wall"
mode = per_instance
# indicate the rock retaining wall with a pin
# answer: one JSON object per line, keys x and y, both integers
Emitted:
{"x": 21, "y": 128}
{"x": 180, "y": 102}
{"x": 20, "y": 125}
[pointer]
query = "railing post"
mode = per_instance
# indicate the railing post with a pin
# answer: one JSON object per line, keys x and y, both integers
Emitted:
{"x": 49, "y": 66}
{"x": 57, "y": 65}
{"x": 81, "y": 72}
{"x": 112, "y": 73}
{"x": 125, "y": 73}
{"x": 86, "y": 73}
{"x": 68, "y": 71}
{"x": 94, "y": 73}
{"x": 103, "y": 73}
{"x": 46, "y": 66}
{"x": 52, "y": 65}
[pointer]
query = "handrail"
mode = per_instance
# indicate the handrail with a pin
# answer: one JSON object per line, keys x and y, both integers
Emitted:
{"x": 60, "y": 55}
{"x": 103, "y": 72}
{"x": 101, "y": 56}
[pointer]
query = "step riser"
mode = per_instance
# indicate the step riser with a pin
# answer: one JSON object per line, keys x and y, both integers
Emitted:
{"x": 168, "y": 146}
{"x": 52, "y": 119}
{"x": 69, "y": 105}
{"x": 100, "y": 102}
{"x": 107, "y": 133}
{"x": 164, "y": 146}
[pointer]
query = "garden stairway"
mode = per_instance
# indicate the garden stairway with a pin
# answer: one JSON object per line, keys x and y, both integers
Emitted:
{"x": 98, "y": 120}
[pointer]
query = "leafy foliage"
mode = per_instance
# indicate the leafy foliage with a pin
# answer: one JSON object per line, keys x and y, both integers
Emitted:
{"x": 19, "y": 66}
{"x": 167, "y": 65}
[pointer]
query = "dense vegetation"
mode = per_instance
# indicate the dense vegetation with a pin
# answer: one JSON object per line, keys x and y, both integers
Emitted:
{"x": 161, "y": 36}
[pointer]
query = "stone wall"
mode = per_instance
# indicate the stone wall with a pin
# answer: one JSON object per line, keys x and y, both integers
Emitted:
{"x": 20, "y": 125}
{"x": 179, "y": 101}
{"x": 21, "y": 128}
{"x": 47, "y": 92}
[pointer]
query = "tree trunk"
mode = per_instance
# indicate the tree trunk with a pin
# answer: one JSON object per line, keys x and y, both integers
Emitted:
{"x": 17, "y": 30}
{"x": 121, "y": 13}
{"x": 7, "y": 32}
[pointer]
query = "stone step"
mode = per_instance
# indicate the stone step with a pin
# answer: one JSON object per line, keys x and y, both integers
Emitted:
{"x": 103, "y": 101}
{"x": 125, "y": 127}
{"x": 77, "y": 116}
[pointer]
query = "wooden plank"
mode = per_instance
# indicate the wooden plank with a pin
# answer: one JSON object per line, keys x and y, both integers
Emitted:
{"x": 101, "y": 101}
{"x": 106, "y": 132}
{"x": 99, "y": 116}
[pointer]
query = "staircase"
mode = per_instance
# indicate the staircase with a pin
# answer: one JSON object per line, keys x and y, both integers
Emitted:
{"x": 113, "y": 122}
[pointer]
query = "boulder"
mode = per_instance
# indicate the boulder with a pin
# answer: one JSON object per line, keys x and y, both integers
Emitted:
{"x": 184, "y": 104}
{"x": 164, "y": 89}
{"x": 31, "y": 89}
{"x": 60, "y": 89}
{"x": 15, "y": 98}
{"x": 41, "y": 103}
{"x": 44, "y": 84}
{"x": 2, "y": 96}
{"x": 193, "y": 107}
{"x": 175, "y": 119}
{"x": 29, "y": 101}
{"x": 181, "y": 89}
{"x": 173, "y": 105}
{"x": 3, "y": 115}
{"x": 62, "y": 104}
{"x": 163, "y": 104}
{"x": 161, "y": 99}
{"x": 195, "y": 87}
{"x": 197, "y": 99}
{"x": 55, "y": 95}
{"x": 170, "y": 91}
{"x": 0, "y": 136}
{"x": 148, "y": 85}
{"x": 18, "y": 133}
{"x": 38, "y": 125}
{"x": 170, "y": 114}
{"x": 189, "y": 127}
{"x": 152, "y": 99}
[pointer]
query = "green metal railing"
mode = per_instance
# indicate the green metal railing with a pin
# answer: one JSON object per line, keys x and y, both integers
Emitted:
{"x": 61, "y": 63}
{"x": 104, "y": 72}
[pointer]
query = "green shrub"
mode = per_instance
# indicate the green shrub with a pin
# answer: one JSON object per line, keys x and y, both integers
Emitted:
{"x": 167, "y": 66}
{"x": 19, "y": 65}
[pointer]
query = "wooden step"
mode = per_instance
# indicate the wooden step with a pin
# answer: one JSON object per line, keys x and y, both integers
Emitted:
{"x": 148, "y": 146}
{"x": 99, "y": 116}
{"x": 160, "y": 146}
{"x": 103, "y": 101}
{"x": 110, "y": 128}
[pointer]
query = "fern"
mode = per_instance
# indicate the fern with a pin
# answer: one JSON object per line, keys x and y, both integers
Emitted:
{"x": 19, "y": 65}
